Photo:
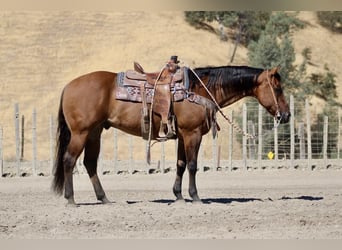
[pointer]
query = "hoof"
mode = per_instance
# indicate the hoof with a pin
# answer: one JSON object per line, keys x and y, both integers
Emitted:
{"x": 71, "y": 204}
{"x": 105, "y": 201}
{"x": 197, "y": 201}
{"x": 180, "y": 201}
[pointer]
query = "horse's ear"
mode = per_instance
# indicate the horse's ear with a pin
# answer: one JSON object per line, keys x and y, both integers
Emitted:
{"x": 275, "y": 70}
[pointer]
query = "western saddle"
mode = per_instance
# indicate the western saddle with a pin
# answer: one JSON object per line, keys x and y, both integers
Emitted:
{"x": 141, "y": 84}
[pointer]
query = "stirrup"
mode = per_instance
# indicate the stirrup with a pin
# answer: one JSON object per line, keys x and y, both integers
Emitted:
{"x": 162, "y": 136}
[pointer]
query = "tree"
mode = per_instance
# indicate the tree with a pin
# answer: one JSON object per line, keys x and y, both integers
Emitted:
{"x": 246, "y": 26}
{"x": 331, "y": 20}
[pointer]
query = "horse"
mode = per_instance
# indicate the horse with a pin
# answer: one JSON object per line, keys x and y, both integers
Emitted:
{"x": 88, "y": 105}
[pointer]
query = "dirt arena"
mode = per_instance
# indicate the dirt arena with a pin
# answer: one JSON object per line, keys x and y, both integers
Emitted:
{"x": 272, "y": 204}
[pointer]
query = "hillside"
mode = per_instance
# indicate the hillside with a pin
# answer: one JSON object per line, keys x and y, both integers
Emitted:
{"x": 41, "y": 51}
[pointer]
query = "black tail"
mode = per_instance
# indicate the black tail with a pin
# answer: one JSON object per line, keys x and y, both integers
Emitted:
{"x": 62, "y": 141}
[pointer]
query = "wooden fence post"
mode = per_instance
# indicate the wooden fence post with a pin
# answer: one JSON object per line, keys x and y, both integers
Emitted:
{"x": 260, "y": 142}
{"x": 338, "y": 133}
{"x": 301, "y": 137}
{"x": 292, "y": 133}
{"x": 52, "y": 143}
{"x": 162, "y": 157}
{"x": 115, "y": 137}
{"x": 308, "y": 124}
{"x": 230, "y": 147}
{"x": 251, "y": 141}
{"x": 244, "y": 139}
{"x": 17, "y": 138}
{"x": 100, "y": 160}
{"x": 130, "y": 143}
{"x": 1, "y": 154}
{"x": 214, "y": 151}
{"x": 22, "y": 137}
{"x": 325, "y": 140}
{"x": 34, "y": 142}
{"x": 276, "y": 156}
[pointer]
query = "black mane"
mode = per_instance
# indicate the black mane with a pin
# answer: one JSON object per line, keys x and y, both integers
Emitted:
{"x": 229, "y": 78}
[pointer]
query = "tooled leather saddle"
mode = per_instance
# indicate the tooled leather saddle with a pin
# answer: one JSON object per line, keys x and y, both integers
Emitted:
{"x": 159, "y": 89}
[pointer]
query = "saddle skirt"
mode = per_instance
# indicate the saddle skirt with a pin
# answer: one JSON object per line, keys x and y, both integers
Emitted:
{"x": 131, "y": 83}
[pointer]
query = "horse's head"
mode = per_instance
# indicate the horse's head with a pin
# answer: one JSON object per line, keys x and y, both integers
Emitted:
{"x": 270, "y": 95}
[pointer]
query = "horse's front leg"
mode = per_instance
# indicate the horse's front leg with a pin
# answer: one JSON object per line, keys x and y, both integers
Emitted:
{"x": 181, "y": 164}
{"x": 192, "y": 145}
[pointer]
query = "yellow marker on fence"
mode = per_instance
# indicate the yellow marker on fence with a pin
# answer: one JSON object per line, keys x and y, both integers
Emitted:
{"x": 270, "y": 155}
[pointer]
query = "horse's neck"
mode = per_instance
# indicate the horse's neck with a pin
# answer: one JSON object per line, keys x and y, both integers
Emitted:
{"x": 228, "y": 94}
{"x": 227, "y": 87}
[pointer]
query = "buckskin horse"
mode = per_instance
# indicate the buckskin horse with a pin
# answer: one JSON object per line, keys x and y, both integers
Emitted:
{"x": 88, "y": 104}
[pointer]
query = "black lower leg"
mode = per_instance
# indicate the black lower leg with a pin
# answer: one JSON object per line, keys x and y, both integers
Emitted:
{"x": 192, "y": 181}
{"x": 177, "y": 187}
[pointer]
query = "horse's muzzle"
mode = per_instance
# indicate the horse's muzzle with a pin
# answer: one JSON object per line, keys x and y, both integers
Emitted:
{"x": 283, "y": 117}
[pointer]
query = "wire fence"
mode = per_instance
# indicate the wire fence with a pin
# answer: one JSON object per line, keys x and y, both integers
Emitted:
{"x": 309, "y": 141}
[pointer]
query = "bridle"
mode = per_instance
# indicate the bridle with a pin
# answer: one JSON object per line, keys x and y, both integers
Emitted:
{"x": 277, "y": 115}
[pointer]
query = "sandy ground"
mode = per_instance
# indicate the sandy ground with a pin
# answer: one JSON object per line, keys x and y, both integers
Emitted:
{"x": 279, "y": 204}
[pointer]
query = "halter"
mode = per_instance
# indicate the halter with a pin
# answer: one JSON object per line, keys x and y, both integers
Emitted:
{"x": 277, "y": 113}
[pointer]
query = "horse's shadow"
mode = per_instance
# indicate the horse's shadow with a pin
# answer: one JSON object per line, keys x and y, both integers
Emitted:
{"x": 242, "y": 200}
{"x": 212, "y": 200}
{"x": 215, "y": 200}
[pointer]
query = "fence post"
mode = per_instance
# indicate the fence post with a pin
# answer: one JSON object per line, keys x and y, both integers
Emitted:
{"x": 52, "y": 143}
{"x": 276, "y": 157}
{"x": 200, "y": 158}
{"x": 339, "y": 133}
{"x": 251, "y": 141}
{"x": 130, "y": 143}
{"x": 325, "y": 139}
{"x": 162, "y": 167}
{"x": 308, "y": 122}
{"x": 100, "y": 161}
{"x": 1, "y": 154}
{"x": 17, "y": 138}
{"x": 301, "y": 138}
{"x": 34, "y": 142}
{"x": 22, "y": 137}
{"x": 292, "y": 132}
{"x": 230, "y": 152}
{"x": 244, "y": 139}
{"x": 214, "y": 151}
{"x": 260, "y": 135}
{"x": 115, "y": 150}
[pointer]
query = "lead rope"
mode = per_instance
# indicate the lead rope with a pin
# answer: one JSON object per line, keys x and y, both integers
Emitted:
{"x": 235, "y": 126}
{"x": 148, "y": 149}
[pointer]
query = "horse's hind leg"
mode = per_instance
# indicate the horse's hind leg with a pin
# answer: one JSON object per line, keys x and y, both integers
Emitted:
{"x": 91, "y": 153}
{"x": 74, "y": 150}
{"x": 181, "y": 165}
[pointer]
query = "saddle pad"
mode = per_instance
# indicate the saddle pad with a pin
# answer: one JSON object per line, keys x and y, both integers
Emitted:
{"x": 130, "y": 90}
